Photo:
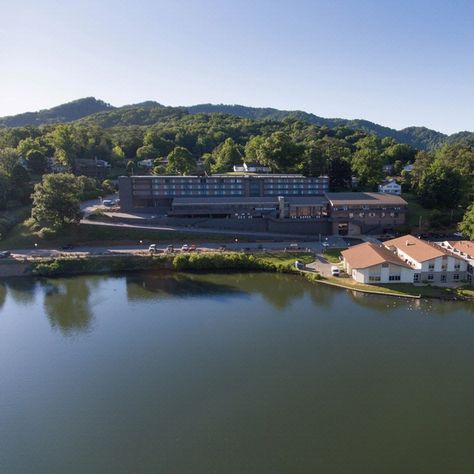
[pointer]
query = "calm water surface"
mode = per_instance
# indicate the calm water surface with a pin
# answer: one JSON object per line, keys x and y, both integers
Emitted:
{"x": 231, "y": 374}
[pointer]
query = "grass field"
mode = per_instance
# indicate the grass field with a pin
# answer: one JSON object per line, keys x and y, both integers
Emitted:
{"x": 406, "y": 289}
{"x": 415, "y": 211}
{"x": 332, "y": 255}
{"x": 21, "y": 236}
{"x": 285, "y": 258}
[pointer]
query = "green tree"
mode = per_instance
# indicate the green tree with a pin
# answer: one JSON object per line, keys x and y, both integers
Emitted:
{"x": 466, "y": 226}
{"x": 441, "y": 186}
{"x": 64, "y": 143}
{"x": 367, "y": 162}
{"x": 180, "y": 161}
{"x": 36, "y": 161}
{"x": 226, "y": 156}
{"x": 8, "y": 160}
{"x": 56, "y": 201}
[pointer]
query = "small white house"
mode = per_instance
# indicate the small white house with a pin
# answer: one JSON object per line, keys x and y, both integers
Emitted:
{"x": 252, "y": 167}
{"x": 148, "y": 163}
{"x": 408, "y": 167}
{"x": 371, "y": 263}
{"x": 390, "y": 187}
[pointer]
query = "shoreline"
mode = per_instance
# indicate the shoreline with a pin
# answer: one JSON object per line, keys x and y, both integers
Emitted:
{"x": 211, "y": 262}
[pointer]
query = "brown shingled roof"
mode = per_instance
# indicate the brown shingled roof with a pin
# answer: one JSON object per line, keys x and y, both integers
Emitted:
{"x": 465, "y": 246}
{"x": 417, "y": 249}
{"x": 368, "y": 254}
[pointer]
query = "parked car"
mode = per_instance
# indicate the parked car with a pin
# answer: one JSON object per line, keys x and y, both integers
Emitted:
{"x": 185, "y": 247}
{"x": 293, "y": 246}
{"x": 5, "y": 254}
{"x": 152, "y": 248}
{"x": 335, "y": 271}
{"x": 299, "y": 265}
{"x": 170, "y": 249}
{"x": 222, "y": 248}
{"x": 192, "y": 248}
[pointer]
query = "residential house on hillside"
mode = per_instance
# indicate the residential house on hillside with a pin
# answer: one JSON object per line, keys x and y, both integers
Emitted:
{"x": 408, "y": 167}
{"x": 252, "y": 167}
{"x": 390, "y": 187}
{"x": 371, "y": 263}
{"x": 465, "y": 250}
{"x": 431, "y": 262}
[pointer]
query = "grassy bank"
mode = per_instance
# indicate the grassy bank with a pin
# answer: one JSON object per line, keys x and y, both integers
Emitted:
{"x": 22, "y": 236}
{"x": 189, "y": 262}
{"x": 404, "y": 289}
{"x": 332, "y": 255}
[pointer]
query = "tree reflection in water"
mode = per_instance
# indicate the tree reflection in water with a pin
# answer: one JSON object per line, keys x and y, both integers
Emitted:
{"x": 66, "y": 303}
{"x": 164, "y": 285}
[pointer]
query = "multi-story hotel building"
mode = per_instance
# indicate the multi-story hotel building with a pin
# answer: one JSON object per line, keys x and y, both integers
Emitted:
{"x": 156, "y": 193}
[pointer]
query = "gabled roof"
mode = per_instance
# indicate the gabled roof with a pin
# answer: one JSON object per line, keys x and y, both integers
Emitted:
{"x": 464, "y": 246}
{"x": 368, "y": 254}
{"x": 419, "y": 250}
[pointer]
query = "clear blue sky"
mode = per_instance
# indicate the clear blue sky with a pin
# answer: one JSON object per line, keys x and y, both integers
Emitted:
{"x": 398, "y": 63}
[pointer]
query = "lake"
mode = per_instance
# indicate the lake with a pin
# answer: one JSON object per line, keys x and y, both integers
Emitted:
{"x": 244, "y": 373}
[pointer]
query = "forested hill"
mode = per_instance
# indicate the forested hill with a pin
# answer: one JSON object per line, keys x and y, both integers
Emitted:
{"x": 62, "y": 113}
{"x": 417, "y": 137}
{"x": 91, "y": 111}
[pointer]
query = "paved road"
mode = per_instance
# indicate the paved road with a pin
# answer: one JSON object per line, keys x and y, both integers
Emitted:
{"x": 315, "y": 247}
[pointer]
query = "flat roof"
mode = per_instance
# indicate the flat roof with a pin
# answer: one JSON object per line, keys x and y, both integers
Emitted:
{"x": 226, "y": 175}
{"x": 348, "y": 198}
{"x": 368, "y": 255}
{"x": 273, "y": 200}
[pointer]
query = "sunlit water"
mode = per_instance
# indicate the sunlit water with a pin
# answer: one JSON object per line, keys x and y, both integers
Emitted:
{"x": 231, "y": 374}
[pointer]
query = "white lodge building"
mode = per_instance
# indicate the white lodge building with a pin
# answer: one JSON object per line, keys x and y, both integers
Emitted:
{"x": 390, "y": 187}
{"x": 371, "y": 263}
{"x": 430, "y": 262}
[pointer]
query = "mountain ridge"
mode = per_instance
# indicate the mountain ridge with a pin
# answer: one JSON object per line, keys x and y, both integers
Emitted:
{"x": 90, "y": 110}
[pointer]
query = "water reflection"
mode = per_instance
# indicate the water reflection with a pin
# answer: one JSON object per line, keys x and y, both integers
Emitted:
{"x": 3, "y": 294}
{"x": 66, "y": 303}
{"x": 22, "y": 289}
{"x": 429, "y": 307}
{"x": 162, "y": 285}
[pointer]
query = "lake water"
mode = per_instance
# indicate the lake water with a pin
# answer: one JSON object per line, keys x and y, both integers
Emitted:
{"x": 254, "y": 373}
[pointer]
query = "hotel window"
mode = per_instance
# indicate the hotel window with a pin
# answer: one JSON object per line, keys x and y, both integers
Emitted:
{"x": 374, "y": 278}
{"x": 431, "y": 266}
{"x": 430, "y": 277}
{"x": 457, "y": 266}
{"x": 394, "y": 278}
{"x": 416, "y": 277}
{"x": 456, "y": 276}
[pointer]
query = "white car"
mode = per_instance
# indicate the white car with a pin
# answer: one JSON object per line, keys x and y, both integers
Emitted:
{"x": 335, "y": 271}
{"x": 185, "y": 247}
{"x": 152, "y": 248}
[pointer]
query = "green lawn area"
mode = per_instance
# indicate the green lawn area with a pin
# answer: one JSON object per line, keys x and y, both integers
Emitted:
{"x": 21, "y": 236}
{"x": 406, "y": 289}
{"x": 285, "y": 258}
{"x": 332, "y": 255}
{"x": 415, "y": 211}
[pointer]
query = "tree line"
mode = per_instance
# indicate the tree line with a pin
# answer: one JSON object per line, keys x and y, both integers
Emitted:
{"x": 214, "y": 143}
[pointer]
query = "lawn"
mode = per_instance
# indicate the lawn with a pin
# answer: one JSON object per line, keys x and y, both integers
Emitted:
{"x": 406, "y": 289}
{"x": 285, "y": 258}
{"x": 415, "y": 211}
{"x": 21, "y": 236}
{"x": 332, "y": 255}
